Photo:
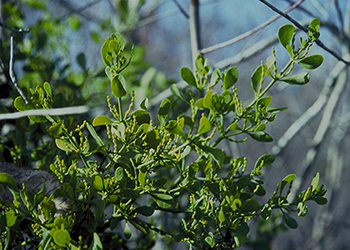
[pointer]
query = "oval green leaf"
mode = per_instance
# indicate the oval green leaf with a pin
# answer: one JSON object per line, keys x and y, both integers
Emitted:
{"x": 187, "y": 76}
{"x": 204, "y": 125}
{"x": 231, "y": 77}
{"x": 118, "y": 89}
{"x": 311, "y": 62}
{"x": 298, "y": 79}
{"x": 285, "y": 34}
{"x": 261, "y": 136}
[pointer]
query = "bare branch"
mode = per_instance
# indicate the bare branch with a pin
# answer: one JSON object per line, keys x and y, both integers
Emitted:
{"x": 195, "y": 29}
{"x": 183, "y": 11}
{"x": 248, "y": 33}
{"x": 12, "y": 73}
{"x": 43, "y": 112}
{"x": 296, "y": 23}
{"x": 14, "y": 29}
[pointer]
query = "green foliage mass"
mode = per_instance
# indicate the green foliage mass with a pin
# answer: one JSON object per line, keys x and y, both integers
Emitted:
{"x": 170, "y": 165}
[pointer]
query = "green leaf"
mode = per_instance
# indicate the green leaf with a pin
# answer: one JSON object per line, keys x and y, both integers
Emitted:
{"x": 250, "y": 205}
{"x": 215, "y": 77}
{"x": 207, "y": 101}
{"x": 258, "y": 76}
{"x": 222, "y": 215}
{"x": 267, "y": 159}
{"x": 204, "y": 125}
{"x": 199, "y": 103}
{"x": 164, "y": 108}
{"x": 240, "y": 239}
{"x": 10, "y": 218}
{"x": 231, "y": 77}
{"x": 263, "y": 103}
{"x": 127, "y": 231}
{"x": 315, "y": 182}
{"x": 217, "y": 154}
{"x": 163, "y": 200}
{"x": 260, "y": 136}
{"x": 285, "y": 34}
{"x": 243, "y": 181}
{"x": 314, "y": 29}
{"x": 101, "y": 120}
{"x": 187, "y": 120}
{"x": 311, "y": 62}
{"x": 144, "y": 104}
{"x": 292, "y": 223}
{"x": 56, "y": 129}
{"x": 119, "y": 174}
{"x": 210, "y": 240}
{"x": 82, "y": 61}
{"x": 47, "y": 89}
{"x": 97, "y": 182}
{"x": 187, "y": 76}
{"x": 131, "y": 193}
{"x": 95, "y": 135}
{"x": 298, "y": 79}
{"x": 234, "y": 126}
{"x": 141, "y": 116}
{"x": 61, "y": 237}
{"x": 286, "y": 180}
{"x": 321, "y": 200}
{"x": 145, "y": 210}
{"x": 63, "y": 144}
{"x": 118, "y": 89}
{"x": 96, "y": 243}
{"x": 175, "y": 91}
{"x": 142, "y": 178}
{"x": 114, "y": 46}
{"x": 39, "y": 197}
{"x": 8, "y": 181}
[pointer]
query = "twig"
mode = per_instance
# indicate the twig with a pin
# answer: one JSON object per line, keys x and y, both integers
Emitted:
{"x": 42, "y": 112}
{"x": 12, "y": 73}
{"x": 248, "y": 33}
{"x": 14, "y": 29}
{"x": 296, "y": 23}
{"x": 78, "y": 10}
{"x": 183, "y": 11}
{"x": 340, "y": 15}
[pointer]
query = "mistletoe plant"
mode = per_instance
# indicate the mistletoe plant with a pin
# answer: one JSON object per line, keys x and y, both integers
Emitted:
{"x": 170, "y": 165}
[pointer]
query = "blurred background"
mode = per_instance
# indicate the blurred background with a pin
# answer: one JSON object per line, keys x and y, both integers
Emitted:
{"x": 63, "y": 48}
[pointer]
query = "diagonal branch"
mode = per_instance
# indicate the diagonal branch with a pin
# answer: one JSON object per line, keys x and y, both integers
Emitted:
{"x": 248, "y": 33}
{"x": 296, "y": 23}
{"x": 183, "y": 11}
{"x": 12, "y": 73}
{"x": 43, "y": 112}
{"x": 13, "y": 29}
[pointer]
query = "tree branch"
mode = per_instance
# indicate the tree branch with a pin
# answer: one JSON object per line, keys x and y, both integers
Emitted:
{"x": 42, "y": 112}
{"x": 183, "y": 11}
{"x": 296, "y": 23}
{"x": 194, "y": 30}
{"x": 12, "y": 73}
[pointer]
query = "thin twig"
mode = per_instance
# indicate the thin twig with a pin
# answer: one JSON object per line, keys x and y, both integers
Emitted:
{"x": 340, "y": 15}
{"x": 296, "y": 23}
{"x": 43, "y": 112}
{"x": 183, "y": 11}
{"x": 14, "y": 29}
{"x": 12, "y": 73}
{"x": 248, "y": 33}
{"x": 78, "y": 10}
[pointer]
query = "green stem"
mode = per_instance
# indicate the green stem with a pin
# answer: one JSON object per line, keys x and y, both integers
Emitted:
{"x": 120, "y": 109}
